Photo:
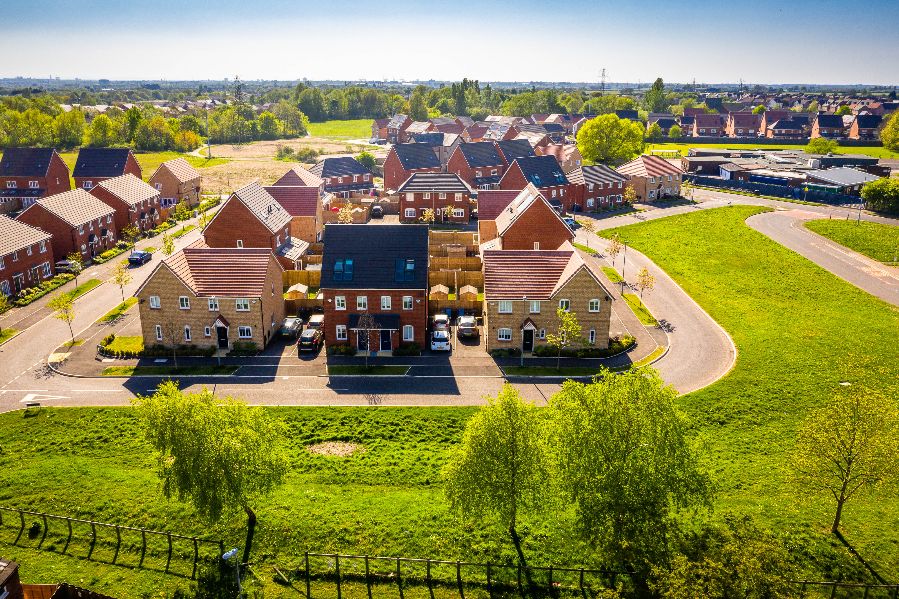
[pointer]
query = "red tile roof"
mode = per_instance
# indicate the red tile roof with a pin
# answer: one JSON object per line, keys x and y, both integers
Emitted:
{"x": 514, "y": 274}
{"x": 648, "y": 166}
{"x": 15, "y": 235}
{"x": 227, "y": 272}
{"x": 491, "y": 202}
{"x": 297, "y": 200}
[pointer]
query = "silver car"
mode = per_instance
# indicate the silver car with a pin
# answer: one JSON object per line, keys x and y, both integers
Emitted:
{"x": 467, "y": 326}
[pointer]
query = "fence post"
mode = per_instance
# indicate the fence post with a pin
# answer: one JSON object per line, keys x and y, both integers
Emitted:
{"x": 93, "y": 538}
{"x": 582, "y": 581}
{"x": 430, "y": 586}
{"x": 833, "y": 591}
{"x": 337, "y": 569}
{"x": 22, "y": 528}
{"x": 459, "y": 579}
{"x": 69, "y": 538}
{"x": 520, "y": 589}
{"x": 43, "y": 536}
{"x": 367, "y": 578}
{"x": 143, "y": 547}
{"x": 118, "y": 543}
{"x": 489, "y": 582}
{"x": 193, "y": 575}
{"x": 308, "y": 581}
{"x": 168, "y": 559}
{"x": 399, "y": 578}
{"x": 550, "y": 581}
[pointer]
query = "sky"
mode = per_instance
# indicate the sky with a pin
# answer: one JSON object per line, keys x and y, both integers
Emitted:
{"x": 759, "y": 41}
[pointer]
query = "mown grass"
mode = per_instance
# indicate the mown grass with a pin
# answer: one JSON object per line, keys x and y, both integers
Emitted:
{"x": 83, "y": 288}
{"x": 684, "y": 146}
{"x": 640, "y": 310}
{"x": 612, "y": 274}
{"x": 126, "y": 344}
{"x": 341, "y": 130}
{"x": 118, "y": 311}
{"x": 166, "y": 370}
{"x": 875, "y": 240}
{"x": 7, "y": 334}
{"x": 799, "y": 332}
{"x": 584, "y": 248}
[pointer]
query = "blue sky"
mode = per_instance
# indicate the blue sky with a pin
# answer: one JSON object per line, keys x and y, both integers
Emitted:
{"x": 760, "y": 41}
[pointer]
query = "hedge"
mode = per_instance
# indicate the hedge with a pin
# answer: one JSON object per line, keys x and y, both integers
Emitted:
{"x": 153, "y": 351}
{"x": 341, "y": 349}
{"x": 616, "y": 345}
{"x": 26, "y": 296}
{"x": 407, "y": 349}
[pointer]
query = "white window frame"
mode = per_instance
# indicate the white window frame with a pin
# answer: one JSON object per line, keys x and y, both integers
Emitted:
{"x": 534, "y": 307}
{"x": 341, "y": 332}
{"x": 43, "y": 247}
{"x": 207, "y": 331}
{"x": 362, "y": 302}
{"x": 504, "y": 334}
{"x": 242, "y": 304}
{"x": 184, "y": 302}
{"x": 458, "y": 213}
{"x": 541, "y": 334}
{"x": 565, "y": 304}
{"x": 158, "y": 332}
{"x": 407, "y": 302}
{"x": 240, "y": 243}
{"x": 591, "y": 303}
{"x": 441, "y": 196}
{"x": 2, "y": 263}
{"x": 88, "y": 184}
{"x": 45, "y": 270}
{"x": 458, "y": 197}
{"x": 32, "y": 184}
{"x": 504, "y": 307}
{"x": 410, "y": 213}
{"x": 592, "y": 337}
{"x": 155, "y": 304}
{"x": 427, "y": 196}
{"x": 213, "y": 303}
{"x": 408, "y": 332}
{"x": 340, "y": 302}
{"x": 385, "y": 302}
{"x": 244, "y": 332}
{"x": 187, "y": 335}
{"x": 10, "y": 185}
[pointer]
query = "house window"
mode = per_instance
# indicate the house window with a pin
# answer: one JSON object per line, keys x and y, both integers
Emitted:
{"x": 355, "y": 178}
{"x": 242, "y": 305}
{"x": 407, "y": 302}
{"x": 213, "y": 304}
{"x": 408, "y": 333}
{"x": 244, "y": 332}
{"x": 410, "y": 197}
{"x": 88, "y": 184}
{"x": 410, "y": 212}
{"x": 362, "y": 302}
{"x": 365, "y": 177}
{"x": 28, "y": 251}
{"x": 340, "y": 302}
{"x": 592, "y": 336}
{"x": 589, "y": 202}
{"x": 45, "y": 270}
{"x": 404, "y": 269}
{"x": 184, "y": 302}
{"x": 154, "y": 302}
{"x": 493, "y": 171}
{"x": 504, "y": 334}
{"x": 10, "y": 185}
{"x": 81, "y": 229}
{"x": 505, "y": 307}
{"x": 108, "y": 218}
{"x": 534, "y": 307}
{"x": 2, "y": 265}
{"x": 554, "y": 193}
{"x": 652, "y": 194}
{"x": 158, "y": 332}
{"x": 564, "y": 304}
{"x": 593, "y": 305}
{"x": 341, "y": 332}
{"x": 536, "y": 245}
{"x": 652, "y": 179}
{"x": 158, "y": 186}
{"x": 207, "y": 331}
{"x": 427, "y": 196}
{"x": 343, "y": 270}
{"x": 240, "y": 243}
{"x": 43, "y": 247}
{"x": 187, "y": 333}
{"x": 385, "y": 302}
{"x": 458, "y": 197}
{"x": 479, "y": 174}
{"x": 541, "y": 334}
{"x": 458, "y": 213}
{"x": 32, "y": 184}
{"x": 442, "y": 196}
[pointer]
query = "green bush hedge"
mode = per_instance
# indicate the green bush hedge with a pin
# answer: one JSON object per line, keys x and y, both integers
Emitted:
{"x": 26, "y": 296}
{"x": 243, "y": 348}
{"x": 162, "y": 228}
{"x": 153, "y": 351}
{"x": 506, "y": 352}
{"x": 616, "y": 345}
{"x": 207, "y": 204}
{"x": 108, "y": 255}
{"x": 407, "y": 349}
{"x": 342, "y": 349}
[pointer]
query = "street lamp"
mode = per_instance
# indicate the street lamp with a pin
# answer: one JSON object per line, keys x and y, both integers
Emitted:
{"x": 228, "y": 556}
{"x": 623, "y": 267}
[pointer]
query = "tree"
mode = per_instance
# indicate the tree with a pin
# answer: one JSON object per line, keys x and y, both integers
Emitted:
{"x": 154, "y": 134}
{"x": 218, "y": 453}
{"x": 131, "y": 234}
{"x": 121, "y": 276}
{"x": 428, "y": 216}
{"x": 345, "y": 214}
{"x": 64, "y": 310}
{"x": 132, "y": 121}
{"x": 103, "y": 131}
{"x": 500, "y": 468}
{"x": 311, "y": 102}
{"x": 367, "y": 160}
{"x": 812, "y": 106}
{"x": 645, "y": 282}
{"x": 608, "y": 138}
{"x": 848, "y": 446}
{"x": 418, "y": 107}
{"x": 624, "y": 458}
{"x": 630, "y": 194}
{"x": 843, "y": 110}
{"x": 889, "y": 134}
{"x": 366, "y": 325}
{"x": 760, "y": 109}
{"x": 615, "y": 247}
{"x": 675, "y": 132}
{"x": 882, "y": 195}
{"x": 589, "y": 227}
{"x": 655, "y": 99}
{"x": 821, "y": 145}
{"x": 76, "y": 265}
{"x": 269, "y": 127}
{"x": 168, "y": 244}
{"x": 68, "y": 128}
{"x": 654, "y": 132}
{"x": 568, "y": 333}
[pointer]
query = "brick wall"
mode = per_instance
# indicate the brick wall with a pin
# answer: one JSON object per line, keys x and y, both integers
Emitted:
{"x": 234, "y": 222}
{"x": 418, "y": 202}
{"x": 514, "y": 179}
{"x": 67, "y": 239}
{"x": 26, "y": 266}
{"x": 174, "y": 191}
{"x": 417, "y": 317}
{"x": 125, "y": 216}
{"x": 536, "y": 225}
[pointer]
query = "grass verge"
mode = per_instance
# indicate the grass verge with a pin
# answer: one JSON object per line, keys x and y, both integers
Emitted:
{"x": 126, "y": 344}
{"x": 167, "y": 370}
{"x": 75, "y": 343}
{"x": 118, "y": 311}
{"x": 642, "y": 312}
{"x": 7, "y": 334}
{"x": 875, "y": 240}
{"x": 684, "y": 147}
{"x": 612, "y": 274}
{"x": 584, "y": 248}
{"x": 83, "y": 288}
{"x": 378, "y": 369}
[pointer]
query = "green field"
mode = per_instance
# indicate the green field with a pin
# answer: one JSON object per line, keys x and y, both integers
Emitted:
{"x": 799, "y": 332}
{"x": 341, "y": 130}
{"x": 684, "y": 147}
{"x": 875, "y": 240}
{"x": 150, "y": 161}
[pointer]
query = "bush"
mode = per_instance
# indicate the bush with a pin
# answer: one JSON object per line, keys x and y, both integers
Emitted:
{"x": 616, "y": 345}
{"x": 162, "y": 228}
{"x": 341, "y": 349}
{"x": 407, "y": 349}
{"x": 284, "y": 153}
{"x": 506, "y": 352}
{"x": 207, "y": 204}
{"x": 306, "y": 155}
{"x": 108, "y": 255}
{"x": 243, "y": 348}
{"x": 27, "y": 296}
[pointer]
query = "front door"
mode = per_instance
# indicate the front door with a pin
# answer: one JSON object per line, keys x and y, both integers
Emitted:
{"x": 385, "y": 340}
{"x": 222, "y": 333}
{"x": 362, "y": 340}
{"x": 18, "y": 280}
{"x": 527, "y": 340}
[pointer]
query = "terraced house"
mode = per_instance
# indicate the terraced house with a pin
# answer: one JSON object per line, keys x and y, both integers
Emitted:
{"x": 136, "y": 203}
{"x": 26, "y": 256}
{"x": 344, "y": 176}
{"x": 603, "y": 186}
{"x": 212, "y": 298}
{"x": 405, "y": 159}
{"x": 94, "y": 165}
{"x": 652, "y": 178}
{"x": 444, "y": 193}
{"x": 78, "y": 222}
{"x": 478, "y": 164}
{"x": 27, "y": 174}
{"x": 544, "y": 173}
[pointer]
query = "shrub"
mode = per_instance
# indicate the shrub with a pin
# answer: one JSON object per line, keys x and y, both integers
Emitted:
{"x": 162, "y": 228}
{"x": 407, "y": 349}
{"x": 243, "y": 348}
{"x": 27, "y": 296}
{"x": 341, "y": 349}
{"x": 284, "y": 153}
{"x": 506, "y": 352}
{"x": 108, "y": 255}
{"x": 207, "y": 204}
{"x": 306, "y": 155}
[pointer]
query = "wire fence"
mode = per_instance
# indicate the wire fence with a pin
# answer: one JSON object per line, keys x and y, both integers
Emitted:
{"x": 113, "y": 543}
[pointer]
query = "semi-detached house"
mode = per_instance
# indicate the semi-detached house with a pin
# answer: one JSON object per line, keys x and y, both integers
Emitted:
{"x": 177, "y": 181}
{"x": 78, "y": 222}
{"x": 94, "y": 165}
{"x": 478, "y": 164}
{"x": 444, "y": 193}
{"x": 136, "y": 203}
{"x": 545, "y": 173}
{"x": 26, "y": 256}
{"x": 27, "y": 174}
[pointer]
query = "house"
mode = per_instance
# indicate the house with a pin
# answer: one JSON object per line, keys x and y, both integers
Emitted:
{"x": 304, "y": 205}
{"x": 479, "y": 164}
{"x": 177, "y": 181}
{"x": 652, "y": 177}
{"x": 380, "y": 271}
{"x": 446, "y": 124}
{"x": 864, "y": 126}
{"x": 416, "y": 127}
{"x": 136, "y": 203}
{"x": 742, "y": 124}
{"x": 491, "y": 202}
{"x": 444, "y": 193}
{"x": 379, "y": 129}
{"x": 535, "y": 138}
{"x": 631, "y": 115}
{"x": 396, "y": 128}
{"x": 769, "y": 117}
{"x": 405, "y": 159}
{"x": 501, "y": 131}
{"x": 842, "y": 179}
{"x": 443, "y": 144}
{"x": 205, "y": 297}
{"x": 527, "y": 222}
{"x": 686, "y": 125}
{"x": 524, "y": 288}
{"x": 344, "y": 176}
{"x": 785, "y": 129}
{"x": 26, "y": 256}
{"x": 511, "y": 149}
{"x": 568, "y": 156}
{"x": 665, "y": 123}
{"x": 603, "y": 186}
{"x": 828, "y": 125}
{"x": 252, "y": 218}
{"x": 545, "y": 173}
{"x": 475, "y": 132}
{"x": 27, "y": 174}
{"x": 98, "y": 164}
{"x": 297, "y": 175}
{"x": 78, "y": 222}
{"x": 707, "y": 125}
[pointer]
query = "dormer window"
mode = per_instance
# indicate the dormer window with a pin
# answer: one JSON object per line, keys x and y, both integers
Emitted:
{"x": 343, "y": 270}
{"x": 404, "y": 269}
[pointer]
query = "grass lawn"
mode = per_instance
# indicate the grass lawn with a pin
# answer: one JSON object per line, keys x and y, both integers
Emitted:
{"x": 166, "y": 370}
{"x": 550, "y": 371}
{"x": 684, "y": 147}
{"x": 874, "y": 240}
{"x": 799, "y": 332}
{"x": 118, "y": 311}
{"x": 7, "y": 334}
{"x": 126, "y": 344}
{"x": 584, "y": 248}
{"x": 83, "y": 288}
{"x": 75, "y": 343}
{"x": 612, "y": 274}
{"x": 640, "y": 309}
{"x": 379, "y": 369}
{"x": 184, "y": 230}
{"x": 340, "y": 130}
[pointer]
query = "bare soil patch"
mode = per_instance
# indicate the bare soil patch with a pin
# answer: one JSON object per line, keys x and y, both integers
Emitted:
{"x": 340, "y": 449}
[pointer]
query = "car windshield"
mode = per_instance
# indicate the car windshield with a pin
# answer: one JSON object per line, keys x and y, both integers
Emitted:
{"x": 466, "y": 321}
{"x": 440, "y": 336}
{"x": 308, "y": 334}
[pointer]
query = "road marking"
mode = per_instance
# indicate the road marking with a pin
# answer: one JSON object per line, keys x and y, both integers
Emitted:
{"x": 32, "y": 397}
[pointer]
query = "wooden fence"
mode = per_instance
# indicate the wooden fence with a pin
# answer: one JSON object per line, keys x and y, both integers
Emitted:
{"x": 438, "y": 238}
{"x": 470, "y": 306}
{"x": 467, "y": 264}
{"x": 303, "y": 304}
{"x": 452, "y": 278}
{"x": 309, "y": 278}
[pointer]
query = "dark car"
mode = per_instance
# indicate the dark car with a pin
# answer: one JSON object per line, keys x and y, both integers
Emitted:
{"x": 377, "y": 212}
{"x": 139, "y": 257}
{"x": 291, "y": 326}
{"x": 311, "y": 340}
{"x": 65, "y": 266}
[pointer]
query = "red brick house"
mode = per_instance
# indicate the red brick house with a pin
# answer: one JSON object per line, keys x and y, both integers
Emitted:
{"x": 300, "y": 176}
{"x": 443, "y": 144}
{"x": 78, "y": 222}
{"x": 177, "y": 181}
{"x": 26, "y": 256}
{"x": 444, "y": 193}
{"x": 379, "y": 129}
{"x": 27, "y": 174}
{"x": 707, "y": 125}
{"x": 785, "y": 129}
{"x": 742, "y": 124}
{"x": 511, "y": 149}
{"x": 829, "y": 126}
{"x": 396, "y": 128}
{"x": 135, "y": 202}
{"x": 545, "y": 173}
{"x": 652, "y": 177}
{"x": 528, "y": 222}
{"x": 98, "y": 164}
{"x": 769, "y": 117}
{"x": 568, "y": 155}
{"x": 493, "y": 201}
{"x": 405, "y": 159}
{"x": 304, "y": 205}
{"x": 381, "y": 271}
{"x": 864, "y": 126}
{"x": 603, "y": 187}
{"x": 344, "y": 176}
{"x": 252, "y": 218}
{"x": 478, "y": 164}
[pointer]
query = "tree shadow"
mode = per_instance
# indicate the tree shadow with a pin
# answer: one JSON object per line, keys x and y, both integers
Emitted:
{"x": 858, "y": 556}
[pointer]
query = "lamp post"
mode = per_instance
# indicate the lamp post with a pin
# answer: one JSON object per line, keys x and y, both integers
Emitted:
{"x": 228, "y": 556}
{"x": 524, "y": 301}
{"x": 623, "y": 267}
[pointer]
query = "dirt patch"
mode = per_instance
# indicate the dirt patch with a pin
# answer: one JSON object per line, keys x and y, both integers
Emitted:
{"x": 338, "y": 449}
{"x": 267, "y": 149}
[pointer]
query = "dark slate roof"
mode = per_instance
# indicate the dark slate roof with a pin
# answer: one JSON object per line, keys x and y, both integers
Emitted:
{"x": 434, "y": 182}
{"x": 868, "y": 121}
{"x": 602, "y": 174}
{"x": 627, "y": 114}
{"x": 687, "y": 121}
{"x": 340, "y": 167}
{"x": 101, "y": 162}
{"x": 515, "y": 148}
{"x": 25, "y": 162}
{"x": 787, "y": 124}
{"x": 481, "y": 154}
{"x": 664, "y": 122}
{"x": 434, "y": 138}
{"x": 830, "y": 121}
{"x": 553, "y": 128}
{"x": 542, "y": 171}
{"x": 375, "y": 250}
{"x": 413, "y": 156}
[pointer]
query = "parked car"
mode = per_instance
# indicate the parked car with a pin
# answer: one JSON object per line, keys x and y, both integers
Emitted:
{"x": 440, "y": 322}
{"x": 139, "y": 258}
{"x": 291, "y": 326}
{"x": 316, "y": 321}
{"x": 572, "y": 224}
{"x": 377, "y": 212}
{"x": 440, "y": 340}
{"x": 467, "y": 326}
{"x": 65, "y": 266}
{"x": 311, "y": 340}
